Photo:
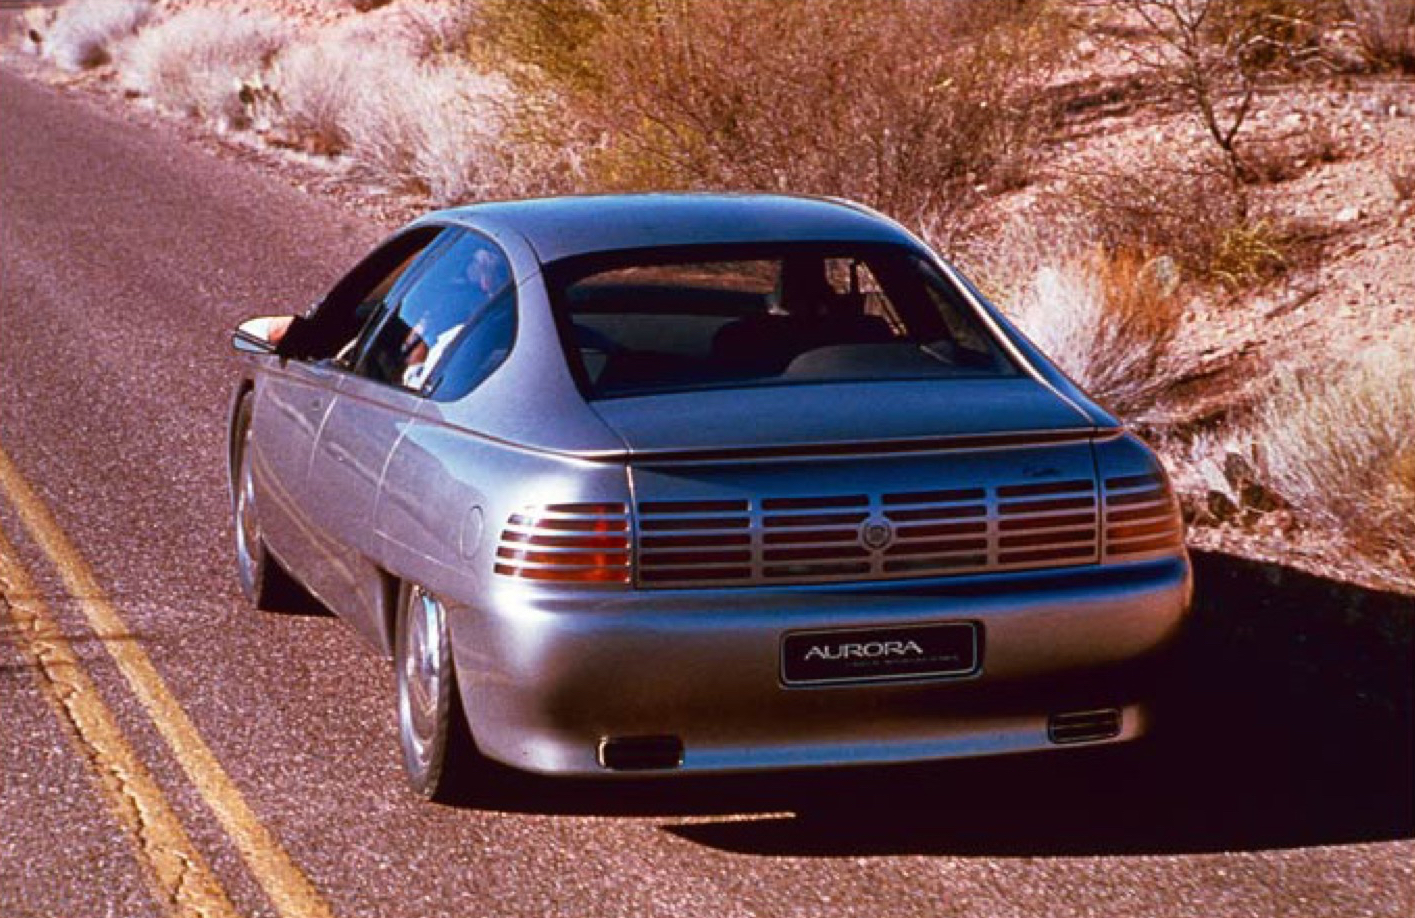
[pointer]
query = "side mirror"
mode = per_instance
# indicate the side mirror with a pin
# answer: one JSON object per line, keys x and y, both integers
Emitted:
{"x": 261, "y": 335}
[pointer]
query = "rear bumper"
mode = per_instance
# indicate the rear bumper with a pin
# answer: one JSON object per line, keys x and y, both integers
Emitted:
{"x": 546, "y": 675}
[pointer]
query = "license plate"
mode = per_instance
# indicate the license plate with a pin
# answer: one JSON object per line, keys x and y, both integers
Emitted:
{"x": 880, "y": 654}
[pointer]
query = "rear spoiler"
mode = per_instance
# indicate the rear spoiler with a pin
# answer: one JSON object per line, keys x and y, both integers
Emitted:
{"x": 1015, "y": 439}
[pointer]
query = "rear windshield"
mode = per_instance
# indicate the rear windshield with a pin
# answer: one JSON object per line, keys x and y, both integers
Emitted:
{"x": 674, "y": 320}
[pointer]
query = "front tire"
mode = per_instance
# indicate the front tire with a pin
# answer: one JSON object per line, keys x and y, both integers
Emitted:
{"x": 439, "y": 756}
{"x": 264, "y": 582}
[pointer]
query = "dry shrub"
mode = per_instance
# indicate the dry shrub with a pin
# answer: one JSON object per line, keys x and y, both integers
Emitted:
{"x": 1285, "y": 157}
{"x": 424, "y": 29}
{"x": 1400, "y": 172}
{"x": 1107, "y": 320}
{"x": 892, "y": 102}
{"x": 1190, "y": 210}
{"x": 1386, "y": 29}
{"x": 317, "y": 86}
{"x": 1339, "y": 447}
{"x": 35, "y": 22}
{"x": 408, "y": 115}
{"x": 83, "y": 32}
{"x": 200, "y": 60}
{"x": 430, "y": 129}
{"x": 1273, "y": 33}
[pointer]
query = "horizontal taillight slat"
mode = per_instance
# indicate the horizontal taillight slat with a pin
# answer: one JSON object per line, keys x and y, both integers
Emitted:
{"x": 567, "y": 543}
{"x": 1144, "y": 547}
{"x": 1160, "y": 511}
{"x": 1147, "y": 480}
{"x": 1142, "y": 516}
{"x": 1135, "y": 530}
{"x": 1151, "y": 495}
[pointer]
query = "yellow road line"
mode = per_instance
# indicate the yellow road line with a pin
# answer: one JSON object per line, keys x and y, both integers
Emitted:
{"x": 182, "y": 879}
{"x": 290, "y": 891}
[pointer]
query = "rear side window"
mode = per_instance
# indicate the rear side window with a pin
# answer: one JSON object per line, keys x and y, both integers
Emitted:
{"x": 454, "y": 302}
{"x": 685, "y": 319}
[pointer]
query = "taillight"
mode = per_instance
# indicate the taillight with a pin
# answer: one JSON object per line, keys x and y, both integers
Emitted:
{"x": 1142, "y": 516}
{"x": 567, "y": 543}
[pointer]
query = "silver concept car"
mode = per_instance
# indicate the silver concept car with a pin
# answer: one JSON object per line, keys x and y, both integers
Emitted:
{"x": 701, "y": 483}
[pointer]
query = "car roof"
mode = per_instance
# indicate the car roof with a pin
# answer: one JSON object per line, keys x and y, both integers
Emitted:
{"x": 564, "y": 227}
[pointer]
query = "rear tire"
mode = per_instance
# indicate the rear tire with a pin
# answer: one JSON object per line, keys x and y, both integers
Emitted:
{"x": 439, "y": 756}
{"x": 265, "y": 583}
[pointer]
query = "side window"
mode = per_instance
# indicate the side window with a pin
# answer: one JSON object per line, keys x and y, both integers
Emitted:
{"x": 480, "y": 350}
{"x": 445, "y": 303}
{"x": 334, "y": 328}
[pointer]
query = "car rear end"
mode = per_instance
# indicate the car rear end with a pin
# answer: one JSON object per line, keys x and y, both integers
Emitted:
{"x": 741, "y": 613}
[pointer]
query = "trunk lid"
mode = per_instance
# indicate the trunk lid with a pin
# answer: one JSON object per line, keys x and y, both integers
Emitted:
{"x": 841, "y": 417}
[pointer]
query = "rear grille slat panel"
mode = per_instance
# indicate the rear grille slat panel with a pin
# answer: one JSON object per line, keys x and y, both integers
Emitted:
{"x": 823, "y": 538}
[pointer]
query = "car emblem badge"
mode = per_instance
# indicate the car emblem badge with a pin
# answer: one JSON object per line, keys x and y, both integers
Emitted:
{"x": 876, "y": 534}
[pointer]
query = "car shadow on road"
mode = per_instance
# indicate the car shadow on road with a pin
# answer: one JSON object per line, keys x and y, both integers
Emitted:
{"x": 1289, "y": 724}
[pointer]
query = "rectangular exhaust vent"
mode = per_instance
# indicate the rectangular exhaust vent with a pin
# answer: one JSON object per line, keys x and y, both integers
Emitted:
{"x": 1083, "y": 726}
{"x": 640, "y": 753}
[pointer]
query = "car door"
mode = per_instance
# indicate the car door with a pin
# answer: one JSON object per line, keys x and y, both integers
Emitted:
{"x": 380, "y": 400}
{"x": 294, "y": 398}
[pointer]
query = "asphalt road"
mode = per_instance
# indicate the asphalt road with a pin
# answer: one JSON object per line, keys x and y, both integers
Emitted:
{"x": 126, "y": 256}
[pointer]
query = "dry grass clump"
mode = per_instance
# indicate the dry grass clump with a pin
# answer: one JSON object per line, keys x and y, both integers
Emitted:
{"x": 84, "y": 32}
{"x": 1286, "y": 156}
{"x": 1108, "y": 320}
{"x": 317, "y": 86}
{"x": 1386, "y": 29}
{"x": 1400, "y": 172}
{"x": 1190, "y": 210}
{"x": 200, "y": 60}
{"x": 892, "y": 102}
{"x": 429, "y": 129}
{"x": 1339, "y": 448}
